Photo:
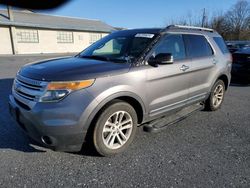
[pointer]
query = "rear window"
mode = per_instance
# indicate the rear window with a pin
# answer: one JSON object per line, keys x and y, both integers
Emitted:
{"x": 221, "y": 44}
{"x": 197, "y": 46}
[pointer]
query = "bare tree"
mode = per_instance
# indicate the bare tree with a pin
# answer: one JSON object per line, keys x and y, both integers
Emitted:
{"x": 218, "y": 23}
{"x": 232, "y": 25}
{"x": 192, "y": 19}
{"x": 237, "y": 20}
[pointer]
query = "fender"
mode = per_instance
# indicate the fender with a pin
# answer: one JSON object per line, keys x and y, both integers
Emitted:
{"x": 94, "y": 109}
{"x": 217, "y": 77}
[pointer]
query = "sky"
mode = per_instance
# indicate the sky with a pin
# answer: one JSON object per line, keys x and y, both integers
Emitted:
{"x": 140, "y": 13}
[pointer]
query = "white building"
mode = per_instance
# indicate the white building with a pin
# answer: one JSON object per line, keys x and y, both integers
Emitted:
{"x": 24, "y": 32}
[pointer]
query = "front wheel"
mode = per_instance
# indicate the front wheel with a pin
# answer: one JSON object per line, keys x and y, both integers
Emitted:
{"x": 216, "y": 96}
{"x": 115, "y": 128}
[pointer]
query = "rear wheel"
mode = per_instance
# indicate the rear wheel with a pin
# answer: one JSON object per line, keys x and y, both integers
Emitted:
{"x": 216, "y": 97}
{"x": 115, "y": 128}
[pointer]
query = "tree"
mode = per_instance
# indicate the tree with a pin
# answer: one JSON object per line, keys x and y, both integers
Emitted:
{"x": 237, "y": 20}
{"x": 218, "y": 23}
{"x": 191, "y": 19}
{"x": 232, "y": 25}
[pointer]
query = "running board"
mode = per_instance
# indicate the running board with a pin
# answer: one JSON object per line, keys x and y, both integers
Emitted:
{"x": 162, "y": 123}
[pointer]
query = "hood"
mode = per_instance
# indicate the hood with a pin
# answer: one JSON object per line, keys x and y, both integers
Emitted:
{"x": 72, "y": 68}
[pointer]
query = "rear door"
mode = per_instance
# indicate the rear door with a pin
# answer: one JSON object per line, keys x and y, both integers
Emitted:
{"x": 201, "y": 66}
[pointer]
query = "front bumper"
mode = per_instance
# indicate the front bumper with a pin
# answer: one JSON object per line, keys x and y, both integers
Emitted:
{"x": 56, "y": 126}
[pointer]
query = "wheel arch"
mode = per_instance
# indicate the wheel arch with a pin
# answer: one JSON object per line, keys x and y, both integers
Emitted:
{"x": 131, "y": 98}
{"x": 225, "y": 79}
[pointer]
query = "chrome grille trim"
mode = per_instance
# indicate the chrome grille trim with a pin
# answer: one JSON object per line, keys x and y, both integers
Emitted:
{"x": 30, "y": 81}
{"x": 28, "y": 91}
{"x": 28, "y": 85}
{"x": 25, "y": 96}
{"x": 23, "y": 100}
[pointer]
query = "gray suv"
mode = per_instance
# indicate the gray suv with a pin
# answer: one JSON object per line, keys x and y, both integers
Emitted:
{"x": 126, "y": 79}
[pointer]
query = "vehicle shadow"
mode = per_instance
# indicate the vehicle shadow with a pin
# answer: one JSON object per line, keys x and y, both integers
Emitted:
{"x": 87, "y": 150}
{"x": 11, "y": 136}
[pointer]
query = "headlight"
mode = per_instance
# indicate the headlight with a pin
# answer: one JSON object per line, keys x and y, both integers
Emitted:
{"x": 58, "y": 90}
{"x": 51, "y": 96}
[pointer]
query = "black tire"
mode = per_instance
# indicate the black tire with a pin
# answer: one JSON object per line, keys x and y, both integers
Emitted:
{"x": 209, "y": 103}
{"x": 98, "y": 134}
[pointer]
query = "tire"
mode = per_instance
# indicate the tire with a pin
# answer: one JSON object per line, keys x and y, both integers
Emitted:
{"x": 217, "y": 94}
{"x": 106, "y": 131}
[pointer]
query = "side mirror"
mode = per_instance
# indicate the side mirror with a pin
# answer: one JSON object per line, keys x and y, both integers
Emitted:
{"x": 162, "y": 59}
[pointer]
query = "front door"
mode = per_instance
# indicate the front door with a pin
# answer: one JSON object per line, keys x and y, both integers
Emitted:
{"x": 167, "y": 85}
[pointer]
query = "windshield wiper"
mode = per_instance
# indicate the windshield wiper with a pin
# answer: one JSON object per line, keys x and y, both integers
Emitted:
{"x": 103, "y": 58}
{"x": 126, "y": 59}
{"x": 119, "y": 60}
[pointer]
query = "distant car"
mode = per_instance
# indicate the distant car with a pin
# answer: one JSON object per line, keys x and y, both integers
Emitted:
{"x": 241, "y": 65}
{"x": 234, "y": 46}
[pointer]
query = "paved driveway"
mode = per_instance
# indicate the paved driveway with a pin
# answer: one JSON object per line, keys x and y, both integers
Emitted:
{"x": 205, "y": 150}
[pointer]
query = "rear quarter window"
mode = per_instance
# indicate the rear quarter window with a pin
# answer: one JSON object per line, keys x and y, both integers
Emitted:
{"x": 221, "y": 44}
{"x": 197, "y": 46}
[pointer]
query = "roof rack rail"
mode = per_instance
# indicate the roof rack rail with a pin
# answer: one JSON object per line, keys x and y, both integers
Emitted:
{"x": 189, "y": 27}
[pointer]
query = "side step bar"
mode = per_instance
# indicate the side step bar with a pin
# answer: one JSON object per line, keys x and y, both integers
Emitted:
{"x": 162, "y": 123}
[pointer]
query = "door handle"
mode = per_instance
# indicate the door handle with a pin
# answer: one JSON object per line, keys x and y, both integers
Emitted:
{"x": 184, "y": 67}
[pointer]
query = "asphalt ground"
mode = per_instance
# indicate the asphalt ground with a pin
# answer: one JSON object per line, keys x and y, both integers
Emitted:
{"x": 208, "y": 149}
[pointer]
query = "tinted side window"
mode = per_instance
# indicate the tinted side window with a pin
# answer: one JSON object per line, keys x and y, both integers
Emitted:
{"x": 197, "y": 46}
{"x": 221, "y": 44}
{"x": 173, "y": 44}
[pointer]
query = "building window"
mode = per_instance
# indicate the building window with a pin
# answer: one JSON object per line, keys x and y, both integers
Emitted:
{"x": 80, "y": 37}
{"x": 94, "y": 37}
{"x": 65, "y": 37}
{"x": 27, "y": 36}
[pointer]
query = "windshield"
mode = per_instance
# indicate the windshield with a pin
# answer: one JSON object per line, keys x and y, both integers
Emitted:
{"x": 122, "y": 48}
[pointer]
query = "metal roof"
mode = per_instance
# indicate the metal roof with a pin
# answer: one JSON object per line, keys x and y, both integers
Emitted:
{"x": 36, "y": 20}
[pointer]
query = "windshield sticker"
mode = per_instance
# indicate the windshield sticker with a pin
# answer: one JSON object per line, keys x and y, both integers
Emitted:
{"x": 145, "y": 35}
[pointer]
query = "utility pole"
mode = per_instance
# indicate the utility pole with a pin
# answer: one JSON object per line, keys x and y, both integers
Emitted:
{"x": 10, "y": 14}
{"x": 203, "y": 18}
{"x": 12, "y": 30}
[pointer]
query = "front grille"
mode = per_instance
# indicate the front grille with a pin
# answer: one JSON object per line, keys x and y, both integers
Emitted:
{"x": 27, "y": 90}
{"x": 26, "y": 107}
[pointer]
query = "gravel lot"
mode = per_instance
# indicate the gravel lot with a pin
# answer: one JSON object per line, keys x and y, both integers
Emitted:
{"x": 205, "y": 150}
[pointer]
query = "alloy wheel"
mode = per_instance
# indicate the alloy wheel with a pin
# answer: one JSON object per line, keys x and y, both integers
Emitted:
{"x": 117, "y": 130}
{"x": 218, "y": 96}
